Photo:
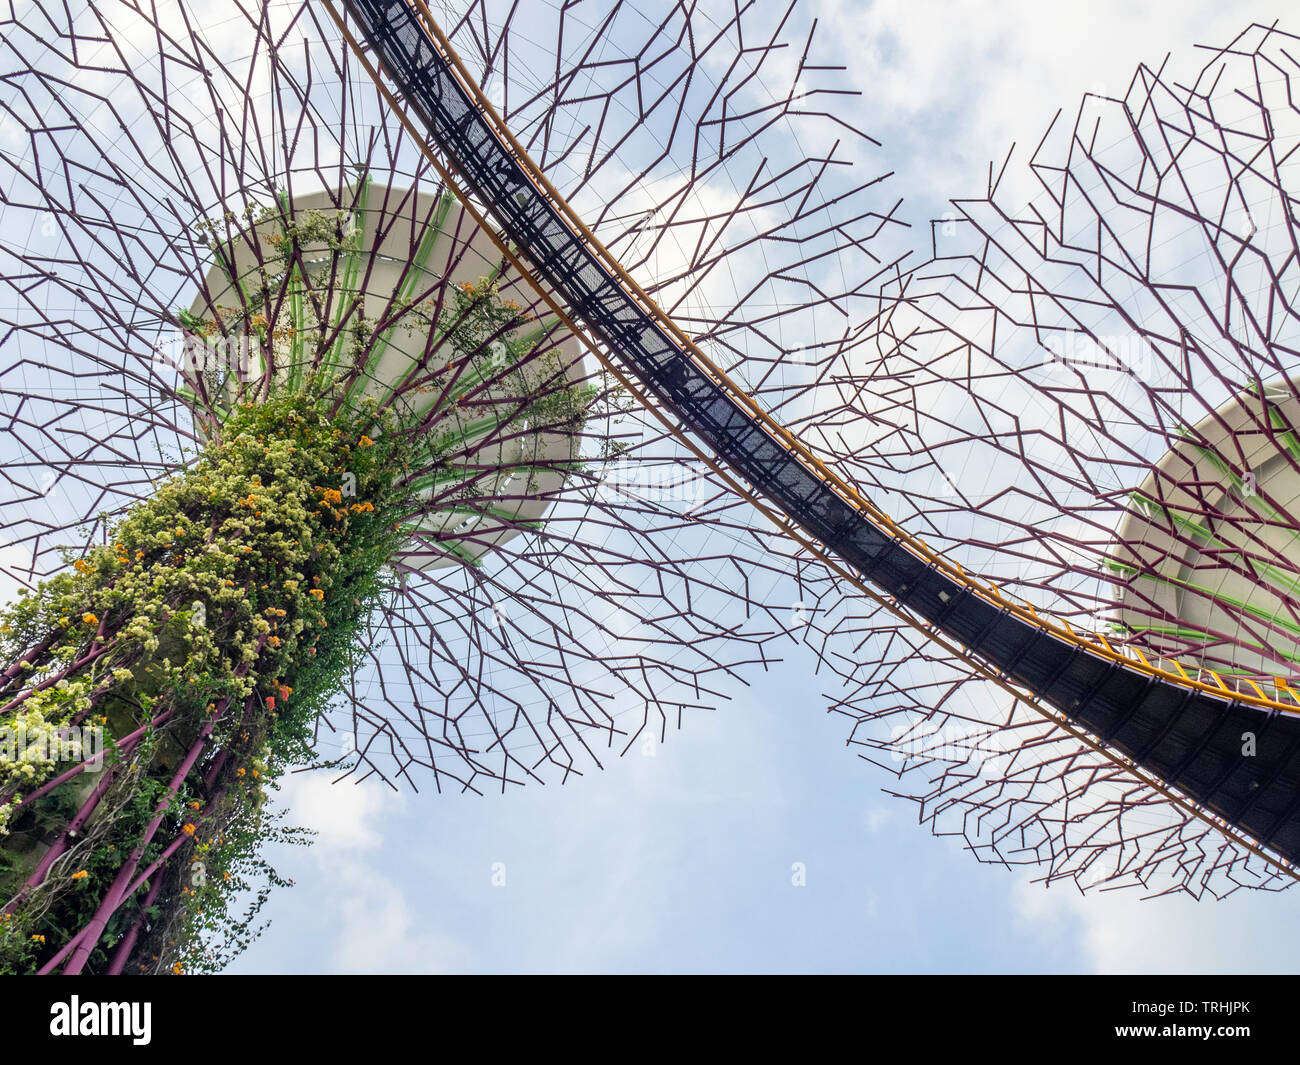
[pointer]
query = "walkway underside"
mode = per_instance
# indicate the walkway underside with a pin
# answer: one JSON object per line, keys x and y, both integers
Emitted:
{"x": 1179, "y": 733}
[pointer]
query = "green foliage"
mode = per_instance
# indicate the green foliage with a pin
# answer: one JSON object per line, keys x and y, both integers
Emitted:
{"x": 235, "y": 596}
{"x": 235, "y": 599}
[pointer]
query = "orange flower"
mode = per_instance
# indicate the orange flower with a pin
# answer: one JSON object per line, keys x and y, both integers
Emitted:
{"x": 365, "y": 441}
{"x": 80, "y": 874}
{"x": 90, "y": 619}
{"x": 188, "y": 830}
{"x": 317, "y": 593}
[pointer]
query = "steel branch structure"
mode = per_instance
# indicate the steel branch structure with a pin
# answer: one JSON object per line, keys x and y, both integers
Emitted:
{"x": 98, "y": 406}
{"x": 1183, "y": 731}
{"x": 1088, "y": 394}
{"x": 1090, "y": 671}
{"x": 201, "y": 215}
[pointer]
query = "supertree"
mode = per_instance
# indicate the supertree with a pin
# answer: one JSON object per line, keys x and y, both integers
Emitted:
{"x": 302, "y": 469}
{"x": 1087, "y": 395}
{"x": 365, "y": 332}
{"x": 1115, "y": 761}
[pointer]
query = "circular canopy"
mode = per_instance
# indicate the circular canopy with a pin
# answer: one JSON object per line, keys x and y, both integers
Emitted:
{"x": 398, "y": 244}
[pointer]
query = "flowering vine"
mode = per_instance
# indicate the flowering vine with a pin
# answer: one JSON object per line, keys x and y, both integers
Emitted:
{"x": 203, "y": 640}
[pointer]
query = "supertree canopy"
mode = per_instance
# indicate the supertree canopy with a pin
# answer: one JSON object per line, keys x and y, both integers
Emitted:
{"x": 1088, "y": 396}
{"x": 300, "y": 469}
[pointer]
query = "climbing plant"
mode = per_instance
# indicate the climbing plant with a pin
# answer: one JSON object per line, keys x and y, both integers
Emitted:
{"x": 160, "y": 684}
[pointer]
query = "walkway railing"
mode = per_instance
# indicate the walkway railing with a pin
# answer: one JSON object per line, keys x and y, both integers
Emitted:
{"x": 1180, "y": 729}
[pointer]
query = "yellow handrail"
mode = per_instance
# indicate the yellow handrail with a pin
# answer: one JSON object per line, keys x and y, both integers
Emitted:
{"x": 842, "y": 488}
{"x": 1062, "y": 629}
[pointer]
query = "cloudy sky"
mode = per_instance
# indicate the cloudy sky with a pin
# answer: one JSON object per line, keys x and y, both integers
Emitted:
{"x": 754, "y": 840}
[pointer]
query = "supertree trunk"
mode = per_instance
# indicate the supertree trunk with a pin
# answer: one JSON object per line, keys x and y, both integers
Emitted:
{"x": 189, "y": 657}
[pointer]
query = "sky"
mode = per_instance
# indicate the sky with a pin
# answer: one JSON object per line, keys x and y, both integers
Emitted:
{"x": 754, "y": 839}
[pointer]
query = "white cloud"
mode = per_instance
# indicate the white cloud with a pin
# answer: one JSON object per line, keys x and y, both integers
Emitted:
{"x": 950, "y": 86}
{"x": 373, "y": 925}
{"x": 877, "y": 817}
{"x": 377, "y": 930}
{"x": 344, "y": 816}
{"x": 15, "y": 565}
{"x": 1119, "y": 932}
